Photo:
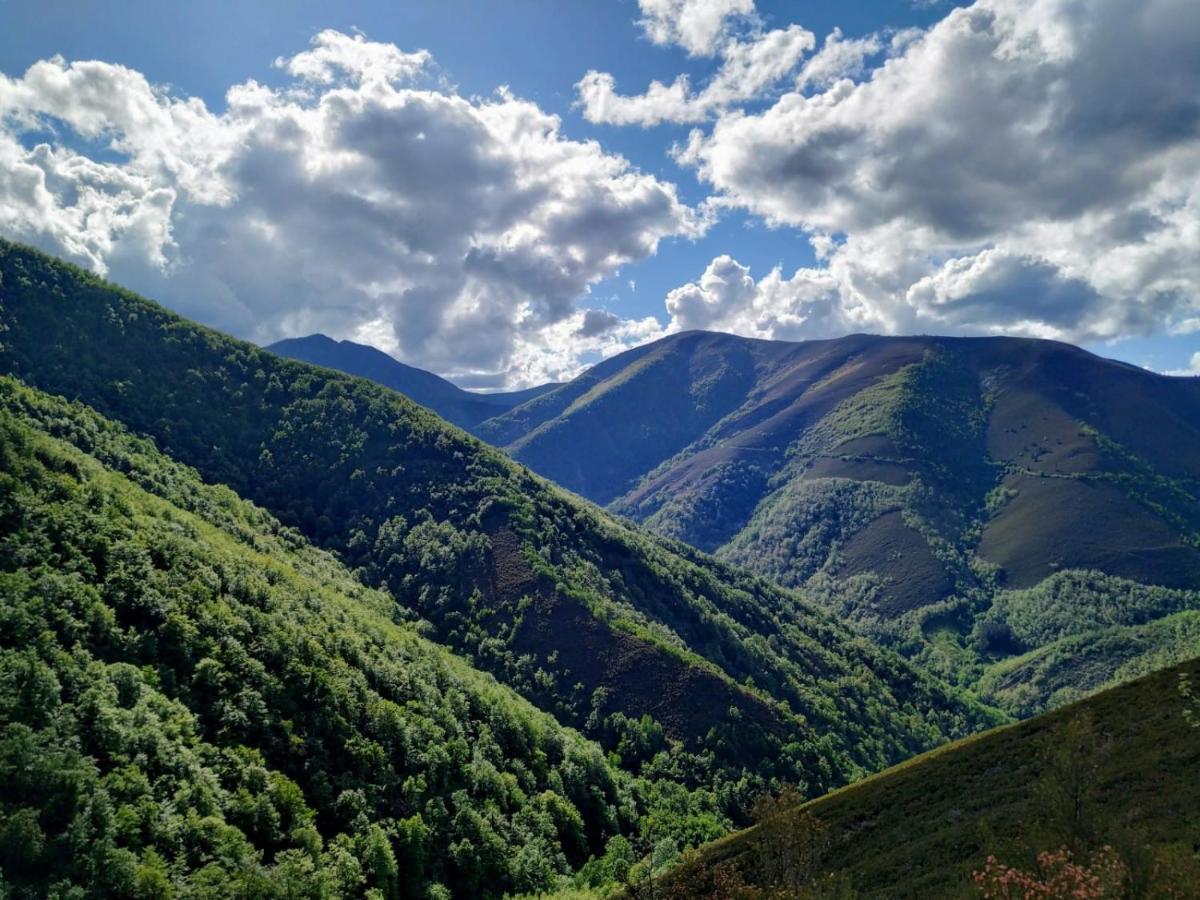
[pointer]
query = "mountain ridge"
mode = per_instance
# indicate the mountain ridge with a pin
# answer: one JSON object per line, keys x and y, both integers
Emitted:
{"x": 461, "y": 407}
{"x": 704, "y": 684}
{"x": 504, "y": 568}
{"x": 913, "y": 484}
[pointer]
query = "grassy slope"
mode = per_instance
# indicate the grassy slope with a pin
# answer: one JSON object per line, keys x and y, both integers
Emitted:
{"x": 592, "y": 620}
{"x": 918, "y": 486}
{"x": 920, "y": 828}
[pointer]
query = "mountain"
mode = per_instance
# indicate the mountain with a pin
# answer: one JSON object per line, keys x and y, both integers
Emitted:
{"x": 1116, "y": 769}
{"x": 195, "y": 701}
{"x": 1019, "y": 514}
{"x": 686, "y": 670}
{"x": 449, "y": 401}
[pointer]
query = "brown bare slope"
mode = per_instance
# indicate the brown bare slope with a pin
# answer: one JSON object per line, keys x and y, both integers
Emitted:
{"x": 663, "y": 398}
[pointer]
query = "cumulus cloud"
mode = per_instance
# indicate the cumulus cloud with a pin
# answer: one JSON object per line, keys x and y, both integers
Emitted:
{"x": 458, "y": 232}
{"x": 840, "y": 58}
{"x": 727, "y": 298}
{"x": 701, "y": 27}
{"x": 596, "y": 322}
{"x": 751, "y": 64}
{"x": 1027, "y": 167}
{"x": 540, "y": 358}
{"x": 334, "y": 53}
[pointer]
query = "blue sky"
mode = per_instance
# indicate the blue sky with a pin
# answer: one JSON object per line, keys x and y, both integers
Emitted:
{"x": 540, "y": 51}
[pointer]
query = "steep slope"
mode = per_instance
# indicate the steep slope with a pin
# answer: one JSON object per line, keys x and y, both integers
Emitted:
{"x": 922, "y": 828}
{"x": 598, "y": 435}
{"x": 929, "y": 489}
{"x": 449, "y": 401}
{"x": 647, "y": 645}
{"x": 195, "y": 701}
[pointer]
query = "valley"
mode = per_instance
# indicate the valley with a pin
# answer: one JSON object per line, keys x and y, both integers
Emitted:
{"x": 603, "y": 693}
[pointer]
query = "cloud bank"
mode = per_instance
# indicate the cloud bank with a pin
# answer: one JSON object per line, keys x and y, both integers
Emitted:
{"x": 1024, "y": 167}
{"x": 1021, "y": 167}
{"x": 356, "y": 199}
{"x": 748, "y": 68}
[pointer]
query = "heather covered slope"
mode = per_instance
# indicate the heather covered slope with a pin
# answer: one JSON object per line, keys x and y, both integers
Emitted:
{"x": 646, "y": 645}
{"x": 933, "y": 490}
{"x": 1118, "y": 768}
{"x": 449, "y": 401}
{"x": 601, "y": 432}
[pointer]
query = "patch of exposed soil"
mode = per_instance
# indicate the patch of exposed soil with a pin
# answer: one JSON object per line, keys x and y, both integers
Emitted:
{"x": 892, "y": 549}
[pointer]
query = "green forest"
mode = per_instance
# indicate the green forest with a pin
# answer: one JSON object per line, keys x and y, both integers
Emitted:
{"x": 425, "y": 533}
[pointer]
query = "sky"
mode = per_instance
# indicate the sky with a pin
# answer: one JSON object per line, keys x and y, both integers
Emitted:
{"x": 505, "y": 193}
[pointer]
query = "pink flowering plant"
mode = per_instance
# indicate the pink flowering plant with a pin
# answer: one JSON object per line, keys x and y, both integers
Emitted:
{"x": 1058, "y": 874}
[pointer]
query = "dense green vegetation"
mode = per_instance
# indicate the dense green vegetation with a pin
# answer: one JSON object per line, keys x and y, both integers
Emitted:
{"x": 702, "y": 683}
{"x": 194, "y": 699}
{"x": 928, "y": 490}
{"x": 1117, "y": 769}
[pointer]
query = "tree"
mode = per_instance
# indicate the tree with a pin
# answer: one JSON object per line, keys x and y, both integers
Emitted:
{"x": 1065, "y": 807}
{"x": 1191, "y": 702}
{"x": 792, "y": 842}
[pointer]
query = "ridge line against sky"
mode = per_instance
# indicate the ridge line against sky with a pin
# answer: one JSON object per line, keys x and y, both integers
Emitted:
{"x": 507, "y": 196}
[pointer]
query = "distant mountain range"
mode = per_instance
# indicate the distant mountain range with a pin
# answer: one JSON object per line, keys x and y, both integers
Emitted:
{"x": 289, "y": 617}
{"x": 464, "y": 408}
{"x": 1021, "y": 515}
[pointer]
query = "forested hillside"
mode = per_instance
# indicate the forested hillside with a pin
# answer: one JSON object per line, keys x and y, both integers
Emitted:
{"x": 680, "y": 666}
{"x": 195, "y": 701}
{"x": 1020, "y": 515}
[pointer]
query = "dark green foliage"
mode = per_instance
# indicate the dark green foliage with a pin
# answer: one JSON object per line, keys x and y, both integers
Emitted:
{"x": 194, "y": 700}
{"x": 1074, "y": 666}
{"x": 549, "y": 594}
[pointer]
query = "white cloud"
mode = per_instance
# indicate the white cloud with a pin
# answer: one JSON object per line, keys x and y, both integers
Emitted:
{"x": 1021, "y": 167}
{"x": 839, "y": 58}
{"x": 460, "y": 232}
{"x": 353, "y": 55}
{"x": 541, "y": 359}
{"x": 674, "y": 102}
{"x": 748, "y": 69}
{"x": 752, "y": 64}
{"x": 1192, "y": 370}
{"x": 727, "y": 298}
{"x": 701, "y": 27}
